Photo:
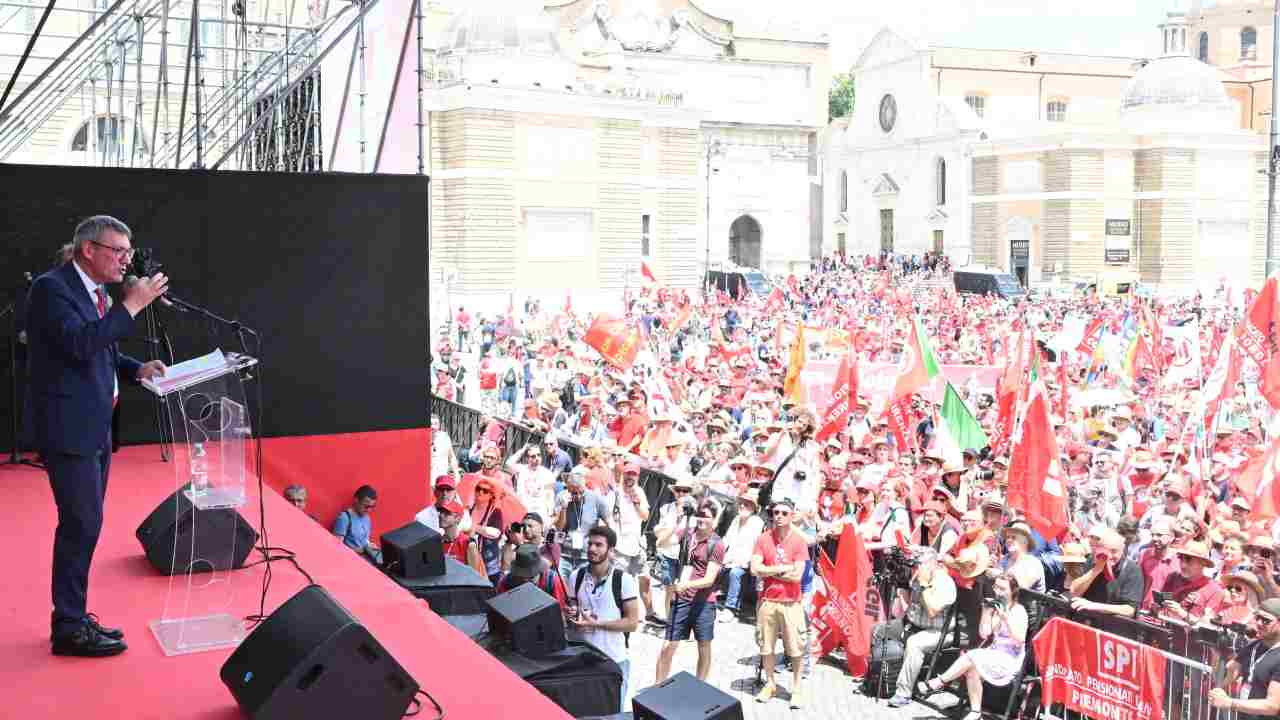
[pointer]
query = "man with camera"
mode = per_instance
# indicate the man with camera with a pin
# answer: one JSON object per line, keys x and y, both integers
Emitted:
{"x": 673, "y": 517}
{"x": 530, "y": 530}
{"x": 605, "y": 600}
{"x": 577, "y": 510}
{"x": 694, "y": 608}
{"x": 1258, "y": 664}
{"x": 932, "y": 593}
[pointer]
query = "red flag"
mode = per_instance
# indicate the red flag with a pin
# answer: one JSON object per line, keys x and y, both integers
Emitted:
{"x": 1035, "y": 475}
{"x": 1222, "y": 380}
{"x": 913, "y": 378}
{"x": 845, "y": 616}
{"x": 568, "y": 303}
{"x": 1092, "y": 335}
{"x": 774, "y": 303}
{"x": 1063, "y": 385}
{"x": 646, "y": 273}
{"x": 616, "y": 340}
{"x": 1258, "y": 481}
{"x": 793, "y": 284}
{"x": 836, "y": 417}
{"x": 1256, "y": 335}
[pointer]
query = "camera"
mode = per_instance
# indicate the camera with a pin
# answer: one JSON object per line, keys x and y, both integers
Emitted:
{"x": 799, "y": 475}
{"x": 1161, "y": 597}
{"x": 516, "y": 527}
{"x": 994, "y": 602}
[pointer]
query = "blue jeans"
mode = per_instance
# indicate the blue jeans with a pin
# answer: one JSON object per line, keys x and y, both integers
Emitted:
{"x": 625, "y": 667}
{"x": 734, "y": 596}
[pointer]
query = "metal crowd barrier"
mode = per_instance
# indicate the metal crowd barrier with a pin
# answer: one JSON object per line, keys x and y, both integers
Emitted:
{"x": 1195, "y": 663}
{"x": 464, "y": 424}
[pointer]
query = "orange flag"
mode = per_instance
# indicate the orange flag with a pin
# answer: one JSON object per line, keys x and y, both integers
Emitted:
{"x": 791, "y": 384}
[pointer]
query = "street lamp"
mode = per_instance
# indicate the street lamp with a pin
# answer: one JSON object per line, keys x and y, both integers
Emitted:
{"x": 713, "y": 147}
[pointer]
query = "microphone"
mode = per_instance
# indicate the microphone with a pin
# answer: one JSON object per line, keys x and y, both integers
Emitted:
{"x": 131, "y": 280}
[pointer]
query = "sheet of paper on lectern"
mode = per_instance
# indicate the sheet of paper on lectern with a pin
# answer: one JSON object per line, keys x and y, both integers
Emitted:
{"x": 188, "y": 371}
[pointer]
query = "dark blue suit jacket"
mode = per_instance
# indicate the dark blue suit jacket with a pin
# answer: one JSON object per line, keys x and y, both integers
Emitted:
{"x": 72, "y": 358}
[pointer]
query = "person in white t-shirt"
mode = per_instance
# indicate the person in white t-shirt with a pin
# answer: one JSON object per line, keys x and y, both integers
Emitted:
{"x": 535, "y": 484}
{"x": 444, "y": 492}
{"x": 597, "y": 589}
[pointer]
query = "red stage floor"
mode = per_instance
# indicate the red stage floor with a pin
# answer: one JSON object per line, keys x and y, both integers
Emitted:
{"x": 127, "y": 592}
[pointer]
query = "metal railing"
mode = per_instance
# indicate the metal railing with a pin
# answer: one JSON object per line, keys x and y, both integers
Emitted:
{"x": 464, "y": 424}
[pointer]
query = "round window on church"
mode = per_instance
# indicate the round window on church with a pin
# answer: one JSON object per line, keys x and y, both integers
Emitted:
{"x": 888, "y": 113}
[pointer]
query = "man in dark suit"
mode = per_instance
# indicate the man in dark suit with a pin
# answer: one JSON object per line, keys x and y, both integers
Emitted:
{"x": 75, "y": 369}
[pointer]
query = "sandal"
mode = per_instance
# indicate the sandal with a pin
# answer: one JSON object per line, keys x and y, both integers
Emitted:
{"x": 932, "y": 686}
{"x": 973, "y": 715}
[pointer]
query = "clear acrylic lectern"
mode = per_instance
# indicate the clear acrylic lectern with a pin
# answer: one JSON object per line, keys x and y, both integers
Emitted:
{"x": 205, "y": 406}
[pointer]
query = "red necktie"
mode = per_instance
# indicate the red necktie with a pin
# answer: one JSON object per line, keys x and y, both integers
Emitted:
{"x": 102, "y": 302}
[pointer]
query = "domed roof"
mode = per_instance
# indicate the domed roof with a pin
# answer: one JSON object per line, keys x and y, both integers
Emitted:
{"x": 1175, "y": 80}
{"x": 1177, "y": 93}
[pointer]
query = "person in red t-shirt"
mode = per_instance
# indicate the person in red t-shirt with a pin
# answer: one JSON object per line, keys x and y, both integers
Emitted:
{"x": 463, "y": 319}
{"x": 779, "y": 559}
{"x": 631, "y": 427}
{"x": 460, "y": 546}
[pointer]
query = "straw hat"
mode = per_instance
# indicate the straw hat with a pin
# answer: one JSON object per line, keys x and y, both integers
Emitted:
{"x": 1073, "y": 553}
{"x": 1196, "y": 549}
{"x": 1246, "y": 577}
{"x": 1022, "y": 529}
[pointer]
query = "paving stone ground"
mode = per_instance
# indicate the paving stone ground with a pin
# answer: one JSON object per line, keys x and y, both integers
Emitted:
{"x": 829, "y": 690}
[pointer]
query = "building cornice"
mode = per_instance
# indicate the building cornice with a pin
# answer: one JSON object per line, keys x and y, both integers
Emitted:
{"x": 561, "y": 102}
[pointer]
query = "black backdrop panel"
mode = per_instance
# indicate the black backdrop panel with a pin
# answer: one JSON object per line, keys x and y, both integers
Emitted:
{"x": 328, "y": 268}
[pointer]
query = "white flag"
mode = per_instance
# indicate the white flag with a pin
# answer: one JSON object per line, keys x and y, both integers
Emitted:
{"x": 1184, "y": 364}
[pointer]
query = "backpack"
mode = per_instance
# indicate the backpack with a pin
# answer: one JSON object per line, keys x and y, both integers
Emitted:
{"x": 509, "y": 380}
{"x": 616, "y": 582}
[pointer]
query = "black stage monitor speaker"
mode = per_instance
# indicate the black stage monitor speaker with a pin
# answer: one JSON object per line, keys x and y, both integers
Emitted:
{"x": 685, "y": 697}
{"x": 531, "y": 619}
{"x": 312, "y": 659}
{"x": 177, "y": 531}
{"x": 413, "y": 551}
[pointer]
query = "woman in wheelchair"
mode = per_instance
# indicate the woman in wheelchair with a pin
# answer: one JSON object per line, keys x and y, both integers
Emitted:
{"x": 1004, "y": 627}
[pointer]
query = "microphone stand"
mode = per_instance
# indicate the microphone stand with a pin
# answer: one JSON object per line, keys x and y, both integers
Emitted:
{"x": 15, "y": 417}
{"x": 239, "y": 328}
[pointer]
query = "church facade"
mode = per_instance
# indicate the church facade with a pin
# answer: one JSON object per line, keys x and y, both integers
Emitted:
{"x": 1055, "y": 168}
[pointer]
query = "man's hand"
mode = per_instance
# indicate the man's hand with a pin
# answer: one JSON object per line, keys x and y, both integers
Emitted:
{"x": 1081, "y": 604}
{"x": 1219, "y": 698}
{"x": 138, "y": 295}
{"x": 151, "y": 369}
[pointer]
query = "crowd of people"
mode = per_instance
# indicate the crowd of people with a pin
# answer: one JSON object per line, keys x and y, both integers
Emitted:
{"x": 1159, "y": 457}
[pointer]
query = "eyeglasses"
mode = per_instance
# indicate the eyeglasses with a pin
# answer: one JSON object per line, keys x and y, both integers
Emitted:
{"x": 1263, "y": 620}
{"x": 780, "y": 513}
{"x": 680, "y": 491}
{"x": 119, "y": 252}
{"x": 1235, "y": 588}
{"x": 485, "y": 491}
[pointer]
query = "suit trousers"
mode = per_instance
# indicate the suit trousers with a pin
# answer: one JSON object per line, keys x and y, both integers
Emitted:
{"x": 79, "y": 485}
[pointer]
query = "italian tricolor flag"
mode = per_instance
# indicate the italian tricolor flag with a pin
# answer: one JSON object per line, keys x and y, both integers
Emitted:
{"x": 955, "y": 428}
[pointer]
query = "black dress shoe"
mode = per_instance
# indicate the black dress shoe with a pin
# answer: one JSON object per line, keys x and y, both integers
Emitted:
{"x": 84, "y": 641}
{"x": 114, "y": 633}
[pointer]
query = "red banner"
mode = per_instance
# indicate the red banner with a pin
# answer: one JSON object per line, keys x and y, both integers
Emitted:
{"x": 876, "y": 380}
{"x": 615, "y": 340}
{"x": 836, "y": 418}
{"x": 846, "y": 604}
{"x": 1098, "y": 674}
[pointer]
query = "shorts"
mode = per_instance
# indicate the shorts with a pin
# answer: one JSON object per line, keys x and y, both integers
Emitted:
{"x": 666, "y": 570}
{"x": 787, "y": 619}
{"x": 698, "y": 616}
{"x": 633, "y": 564}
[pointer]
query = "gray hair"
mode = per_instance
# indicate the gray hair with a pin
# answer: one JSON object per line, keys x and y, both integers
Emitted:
{"x": 91, "y": 229}
{"x": 294, "y": 490}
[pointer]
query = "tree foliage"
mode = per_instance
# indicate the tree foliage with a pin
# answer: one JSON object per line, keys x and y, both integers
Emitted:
{"x": 840, "y": 99}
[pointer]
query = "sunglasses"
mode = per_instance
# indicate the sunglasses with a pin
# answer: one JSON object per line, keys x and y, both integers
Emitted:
{"x": 1263, "y": 620}
{"x": 1235, "y": 588}
{"x": 680, "y": 491}
{"x": 780, "y": 513}
{"x": 483, "y": 491}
